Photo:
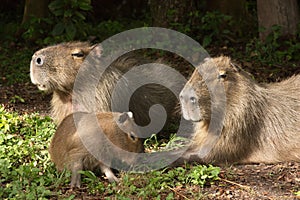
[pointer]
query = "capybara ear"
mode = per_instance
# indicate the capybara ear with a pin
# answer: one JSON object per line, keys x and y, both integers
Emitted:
{"x": 130, "y": 114}
{"x": 206, "y": 59}
{"x": 123, "y": 117}
{"x": 97, "y": 50}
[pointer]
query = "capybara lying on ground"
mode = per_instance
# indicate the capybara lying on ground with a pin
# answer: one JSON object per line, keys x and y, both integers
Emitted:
{"x": 261, "y": 122}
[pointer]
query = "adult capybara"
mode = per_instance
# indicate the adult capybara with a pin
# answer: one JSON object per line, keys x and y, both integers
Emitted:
{"x": 261, "y": 122}
{"x": 82, "y": 140}
{"x": 56, "y": 68}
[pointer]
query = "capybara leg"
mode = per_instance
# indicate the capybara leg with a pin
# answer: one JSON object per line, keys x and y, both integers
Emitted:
{"x": 108, "y": 173}
{"x": 76, "y": 177}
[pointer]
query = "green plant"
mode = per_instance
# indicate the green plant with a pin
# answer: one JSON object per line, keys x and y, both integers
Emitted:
{"x": 93, "y": 183}
{"x": 275, "y": 49}
{"x": 176, "y": 142}
{"x": 36, "y": 27}
{"x": 199, "y": 175}
{"x": 26, "y": 171}
{"x": 181, "y": 27}
{"x": 16, "y": 99}
{"x": 70, "y": 17}
{"x": 163, "y": 181}
{"x": 213, "y": 27}
{"x": 152, "y": 143}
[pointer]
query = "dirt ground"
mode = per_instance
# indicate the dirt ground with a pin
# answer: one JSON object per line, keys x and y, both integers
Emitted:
{"x": 260, "y": 181}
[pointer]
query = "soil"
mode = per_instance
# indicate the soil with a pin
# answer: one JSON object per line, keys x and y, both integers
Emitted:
{"x": 274, "y": 181}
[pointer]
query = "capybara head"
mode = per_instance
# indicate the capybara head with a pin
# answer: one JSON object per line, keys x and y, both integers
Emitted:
{"x": 195, "y": 97}
{"x": 55, "y": 67}
{"x": 126, "y": 123}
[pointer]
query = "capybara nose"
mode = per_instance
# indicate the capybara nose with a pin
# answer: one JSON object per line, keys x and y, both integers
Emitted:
{"x": 188, "y": 95}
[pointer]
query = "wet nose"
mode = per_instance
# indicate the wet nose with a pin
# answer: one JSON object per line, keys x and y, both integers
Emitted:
{"x": 188, "y": 95}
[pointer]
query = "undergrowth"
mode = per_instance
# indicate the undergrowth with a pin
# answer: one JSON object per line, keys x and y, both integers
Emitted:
{"x": 28, "y": 173}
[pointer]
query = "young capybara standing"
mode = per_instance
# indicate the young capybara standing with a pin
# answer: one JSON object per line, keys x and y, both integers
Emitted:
{"x": 55, "y": 69}
{"x": 261, "y": 122}
{"x": 78, "y": 135}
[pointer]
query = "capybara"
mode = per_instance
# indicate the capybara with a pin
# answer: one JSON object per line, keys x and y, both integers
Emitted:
{"x": 261, "y": 122}
{"x": 78, "y": 135}
{"x": 55, "y": 69}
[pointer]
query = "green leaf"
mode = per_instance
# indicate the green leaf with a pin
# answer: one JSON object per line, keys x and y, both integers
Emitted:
{"x": 68, "y": 13}
{"x": 58, "y": 29}
{"x": 55, "y": 5}
{"x": 70, "y": 30}
{"x": 58, "y": 12}
{"x": 81, "y": 16}
{"x": 85, "y": 5}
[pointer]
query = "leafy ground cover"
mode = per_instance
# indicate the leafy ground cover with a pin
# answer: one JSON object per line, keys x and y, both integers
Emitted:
{"x": 26, "y": 129}
{"x": 27, "y": 172}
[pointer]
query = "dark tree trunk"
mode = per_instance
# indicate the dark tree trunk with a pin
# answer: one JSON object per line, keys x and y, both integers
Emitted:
{"x": 166, "y": 12}
{"x": 35, "y": 8}
{"x": 284, "y": 13}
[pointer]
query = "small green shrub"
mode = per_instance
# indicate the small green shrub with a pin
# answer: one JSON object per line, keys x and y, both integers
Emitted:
{"x": 275, "y": 49}
{"x": 214, "y": 26}
{"x": 26, "y": 171}
{"x": 199, "y": 175}
{"x": 70, "y": 17}
{"x": 160, "y": 182}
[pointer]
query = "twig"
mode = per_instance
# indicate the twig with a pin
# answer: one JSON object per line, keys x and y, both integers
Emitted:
{"x": 176, "y": 192}
{"x": 234, "y": 183}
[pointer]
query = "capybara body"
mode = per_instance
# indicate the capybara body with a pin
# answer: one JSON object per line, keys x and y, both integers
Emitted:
{"x": 82, "y": 140}
{"x": 261, "y": 122}
{"x": 55, "y": 69}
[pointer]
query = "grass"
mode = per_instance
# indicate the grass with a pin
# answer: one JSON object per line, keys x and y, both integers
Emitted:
{"x": 26, "y": 169}
{"x": 28, "y": 173}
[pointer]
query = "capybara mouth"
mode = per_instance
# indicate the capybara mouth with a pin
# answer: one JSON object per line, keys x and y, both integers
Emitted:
{"x": 196, "y": 119}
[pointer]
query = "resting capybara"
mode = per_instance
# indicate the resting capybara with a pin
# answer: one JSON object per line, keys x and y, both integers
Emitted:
{"x": 55, "y": 69}
{"x": 261, "y": 122}
{"x": 79, "y": 131}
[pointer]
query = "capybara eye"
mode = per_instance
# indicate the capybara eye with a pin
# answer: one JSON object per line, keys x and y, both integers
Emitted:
{"x": 39, "y": 61}
{"x": 193, "y": 100}
{"x": 79, "y": 54}
{"x": 222, "y": 76}
{"x": 132, "y": 136}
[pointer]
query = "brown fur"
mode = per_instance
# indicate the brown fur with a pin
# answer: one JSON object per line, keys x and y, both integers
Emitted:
{"x": 67, "y": 149}
{"x": 60, "y": 65}
{"x": 261, "y": 124}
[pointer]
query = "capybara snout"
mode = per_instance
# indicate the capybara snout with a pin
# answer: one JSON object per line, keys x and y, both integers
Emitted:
{"x": 189, "y": 104}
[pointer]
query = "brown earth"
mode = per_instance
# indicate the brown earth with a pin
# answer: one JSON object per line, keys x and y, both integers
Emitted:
{"x": 276, "y": 181}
